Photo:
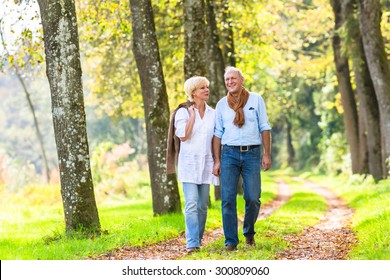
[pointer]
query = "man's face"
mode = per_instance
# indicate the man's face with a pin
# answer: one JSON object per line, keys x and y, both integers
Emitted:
{"x": 233, "y": 82}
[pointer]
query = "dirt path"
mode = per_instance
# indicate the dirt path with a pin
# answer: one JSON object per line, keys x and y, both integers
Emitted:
{"x": 175, "y": 248}
{"x": 331, "y": 239}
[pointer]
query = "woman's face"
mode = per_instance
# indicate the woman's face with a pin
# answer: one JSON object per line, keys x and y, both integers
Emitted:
{"x": 201, "y": 93}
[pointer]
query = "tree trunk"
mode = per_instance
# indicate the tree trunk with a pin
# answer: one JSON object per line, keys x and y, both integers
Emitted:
{"x": 216, "y": 65}
{"x": 374, "y": 49}
{"x": 346, "y": 91}
{"x": 227, "y": 36}
{"x": 194, "y": 39}
{"x": 31, "y": 106}
{"x": 36, "y": 125}
{"x": 290, "y": 147}
{"x": 165, "y": 192}
{"x": 370, "y": 133}
{"x": 64, "y": 73}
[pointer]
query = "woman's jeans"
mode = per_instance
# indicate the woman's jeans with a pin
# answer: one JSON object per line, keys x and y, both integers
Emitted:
{"x": 233, "y": 163}
{"x": 195, "y": 210}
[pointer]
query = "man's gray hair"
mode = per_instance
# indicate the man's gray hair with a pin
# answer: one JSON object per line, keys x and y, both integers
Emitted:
{"x": 233, "y": 69}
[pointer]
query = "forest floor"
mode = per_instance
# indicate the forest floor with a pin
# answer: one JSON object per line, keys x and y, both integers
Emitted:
{"x": 330, "y": 239}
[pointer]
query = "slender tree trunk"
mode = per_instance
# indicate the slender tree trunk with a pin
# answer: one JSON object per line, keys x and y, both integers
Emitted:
{"x": 63, "y": 70}
{"x": 290, "y": 147}
{"x": 165, "y": 192}
{"x": 369, "y": 129}
{"x": 227, "y": 35}
{"x": 194, "y": 39}
{"x": 216, "y": 65}
{"x": 36, "y": 125}
{"x": 346, "y": 91}
{"x": 363, "y": 146}
{"x": 31, "y": 106}
{"x": 374, "y": 49}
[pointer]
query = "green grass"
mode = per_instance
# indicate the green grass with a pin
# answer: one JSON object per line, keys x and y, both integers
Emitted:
{"x": 371, "y": 219}
{"x": 32, "y": 223}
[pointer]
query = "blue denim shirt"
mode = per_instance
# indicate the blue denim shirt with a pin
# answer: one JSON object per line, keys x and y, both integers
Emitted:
{"x": 256, "y": 121}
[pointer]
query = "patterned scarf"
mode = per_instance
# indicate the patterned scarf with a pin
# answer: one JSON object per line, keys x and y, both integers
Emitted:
{"x": 238, "y": 105}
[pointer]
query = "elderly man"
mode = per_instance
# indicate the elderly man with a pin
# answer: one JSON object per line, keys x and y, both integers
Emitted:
{"x": 241, "y": 129}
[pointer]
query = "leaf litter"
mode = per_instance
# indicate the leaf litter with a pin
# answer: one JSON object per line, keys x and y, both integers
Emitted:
{"x": 331, "y": 239}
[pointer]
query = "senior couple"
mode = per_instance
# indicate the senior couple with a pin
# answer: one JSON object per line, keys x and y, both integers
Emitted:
{"x": 222, "y": 143}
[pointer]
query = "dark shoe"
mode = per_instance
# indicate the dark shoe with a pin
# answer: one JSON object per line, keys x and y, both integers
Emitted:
{"x": 192, "y": 249}
{"x": 230, "y": 247}
{"x": 250, "y": 241}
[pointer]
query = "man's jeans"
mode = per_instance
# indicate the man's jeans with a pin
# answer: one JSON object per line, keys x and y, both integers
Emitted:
{"x": 233, "y": 163}
{"x": 195, "y": 210}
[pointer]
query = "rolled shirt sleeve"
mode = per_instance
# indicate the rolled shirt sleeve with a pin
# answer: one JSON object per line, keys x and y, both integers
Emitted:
{"x": 263, "y": 118}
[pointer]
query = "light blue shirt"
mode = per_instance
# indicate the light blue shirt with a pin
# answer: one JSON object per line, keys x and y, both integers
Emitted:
{"x": 256, "y": 121}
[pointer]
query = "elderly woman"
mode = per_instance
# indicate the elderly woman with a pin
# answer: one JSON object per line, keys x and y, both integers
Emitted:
{"x": 195, "y": 126}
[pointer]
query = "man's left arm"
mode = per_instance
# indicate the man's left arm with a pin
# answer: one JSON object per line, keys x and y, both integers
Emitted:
{"x": 266, "y": 139}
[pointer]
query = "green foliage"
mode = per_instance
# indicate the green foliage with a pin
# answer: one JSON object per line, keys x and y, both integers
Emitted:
{"x": 286, "y": 59}
{"x": 334, "y": 157}
{"x": 106, "y": 42}
{"x": 283, "y": 48}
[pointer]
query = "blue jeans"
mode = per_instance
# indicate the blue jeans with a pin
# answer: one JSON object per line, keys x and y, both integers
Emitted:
{"x": 233, "y": 163}
{"x": 195, "y": 210}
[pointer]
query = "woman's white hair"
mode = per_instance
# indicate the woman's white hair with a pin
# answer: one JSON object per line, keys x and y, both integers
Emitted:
{"x": 194, "y": 83}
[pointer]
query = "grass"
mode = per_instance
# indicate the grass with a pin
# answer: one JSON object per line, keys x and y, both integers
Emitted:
{"x": 371, "y": 220}
{"x": 32, "y": 221}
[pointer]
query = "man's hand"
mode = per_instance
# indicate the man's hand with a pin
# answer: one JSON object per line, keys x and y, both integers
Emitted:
{"x": 266, "y": 162}
{"x": 217, "y": 169}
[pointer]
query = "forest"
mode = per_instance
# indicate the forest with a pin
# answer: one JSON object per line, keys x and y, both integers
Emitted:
{"x": 87, "y": 88}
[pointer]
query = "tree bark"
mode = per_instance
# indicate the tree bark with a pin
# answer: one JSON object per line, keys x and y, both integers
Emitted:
{"x": 165, "y": 191}
{"x": 227, "y": 36}
{"x": 216, "y": 65}
{"x": 347, "y": 95}
{"x": 63, "y": 70}
{"x": 374, "y": 49}
{"x": 369, "y": 130}
{"x": 194, "y": 39}
{"x": 290, "y": 147}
